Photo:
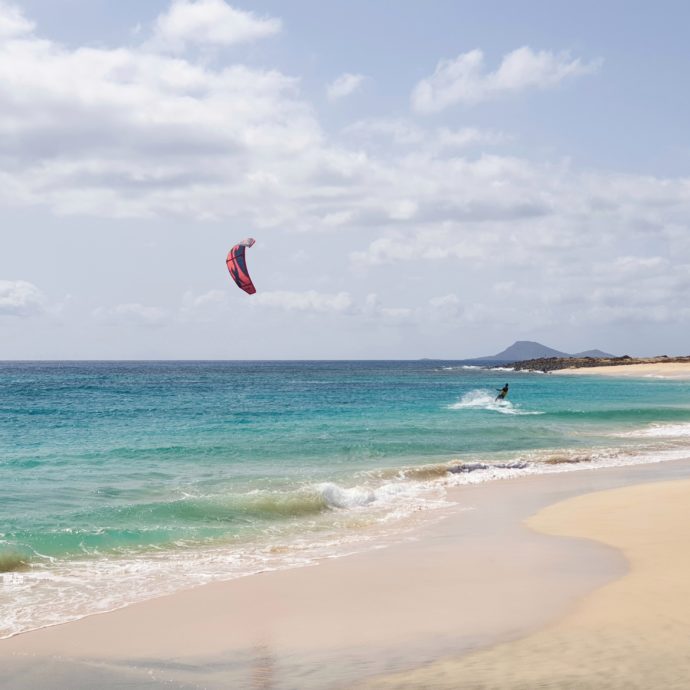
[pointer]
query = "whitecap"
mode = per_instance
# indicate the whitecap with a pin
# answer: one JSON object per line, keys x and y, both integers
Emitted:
{"x": 485, "y": 400}
{"x": 659, "y": 431}
{"x": 339, "y": 497}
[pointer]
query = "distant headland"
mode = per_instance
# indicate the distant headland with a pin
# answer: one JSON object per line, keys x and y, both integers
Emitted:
{"x": 570, "y": 362}
{"x": 527, "y": 355}
{"x": 522, "y": 350}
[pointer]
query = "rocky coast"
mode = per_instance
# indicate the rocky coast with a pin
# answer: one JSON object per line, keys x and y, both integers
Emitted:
{"x": 547, "y": 364}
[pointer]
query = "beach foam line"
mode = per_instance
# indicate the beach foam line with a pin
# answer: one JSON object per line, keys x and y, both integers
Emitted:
{"x": 473, "y": 580}
{"x": 355, "y": 516}
{"x": 534, "y": 462}
{"x": 331, "y": 521}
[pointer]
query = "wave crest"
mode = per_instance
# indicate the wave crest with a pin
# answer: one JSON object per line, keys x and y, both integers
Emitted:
{"x": 659, "y": 431}
{"x": 335, "y": 496}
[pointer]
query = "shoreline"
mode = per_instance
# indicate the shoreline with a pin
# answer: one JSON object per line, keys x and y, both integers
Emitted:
{"x": 629, "y": 634}
{"x": 672, "y": 370}
{"x": 476, "y": 579}
{"x": 128, "y": 582}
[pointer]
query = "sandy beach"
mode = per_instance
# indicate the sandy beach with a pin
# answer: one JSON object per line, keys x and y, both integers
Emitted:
{"x": 672, "y": 370}
{"x": 632, "y": 633}
{"x": 415, "y": 614}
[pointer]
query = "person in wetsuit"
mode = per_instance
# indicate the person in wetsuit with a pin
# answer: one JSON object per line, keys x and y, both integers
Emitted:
{"x": 502, "y": 392}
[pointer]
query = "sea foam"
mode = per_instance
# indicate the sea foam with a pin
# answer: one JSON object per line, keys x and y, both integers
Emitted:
{"x": 659, "y": 431}
{"x": 481, "y": 399}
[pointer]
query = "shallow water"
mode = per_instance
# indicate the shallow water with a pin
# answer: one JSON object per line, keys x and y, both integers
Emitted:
{"x": 141, "y": 478}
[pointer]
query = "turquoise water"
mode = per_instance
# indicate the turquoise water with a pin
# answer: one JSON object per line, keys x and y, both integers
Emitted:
{"x": 120, "y": 481}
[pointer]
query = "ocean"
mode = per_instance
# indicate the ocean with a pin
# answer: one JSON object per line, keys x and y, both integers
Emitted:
{"x": 121, "y": 481}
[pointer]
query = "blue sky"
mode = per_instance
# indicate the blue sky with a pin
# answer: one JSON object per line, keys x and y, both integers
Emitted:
{"x": 423, "y": 179}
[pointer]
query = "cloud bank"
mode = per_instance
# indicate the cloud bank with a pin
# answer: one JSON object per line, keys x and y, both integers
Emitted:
{"x": 207, "y": 23}
{"x": 310, "y": 300}
{"x": 440, "y": 222}
{"x": 465, "y": 79}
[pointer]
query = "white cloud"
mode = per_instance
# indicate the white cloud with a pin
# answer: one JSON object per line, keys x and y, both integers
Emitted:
{"x": 344, "y": 85}
{"x": 135, "y": 314}
{"x": 450, "y": 301}
{"x": 205, "y": 307}
{"x": 209, "y": 22}
{"x": 397, "y": 130}
{"x": 130, "y": 132}
{"x": 374, "y": 309}
{"x": 127, "y": 132}
{"x": 436, "y": 141}
{"x": 12, "y": 22}
{"x": 437, "y": 310}
{"x": 397, "y": 247}
{"x": 309, "y": 300}
{"x": 468, "y": 136}
{"x": 190, "y": 301}
{"x": 465, "y": 79}
{"x": 20, "y": 298}
{"x": 636, "y": 265}
{"x": 396, "y": 312}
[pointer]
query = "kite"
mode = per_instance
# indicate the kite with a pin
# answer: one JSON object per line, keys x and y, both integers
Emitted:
{"x": 237, "y": 265}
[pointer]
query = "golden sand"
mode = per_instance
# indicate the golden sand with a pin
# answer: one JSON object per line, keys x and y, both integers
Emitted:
{"x": 671, "y": 370}
{"x": 475, "y": 580}
{"x": 633, "y": 634}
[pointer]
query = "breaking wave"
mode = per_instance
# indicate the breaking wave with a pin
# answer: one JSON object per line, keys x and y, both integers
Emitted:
{"x": 659, "y": 431}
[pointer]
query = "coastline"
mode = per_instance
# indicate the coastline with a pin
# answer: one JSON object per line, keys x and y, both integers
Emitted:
{"x": 474, "y": 580}
{"x": 632, "y": 633}
{"x": 671, "y": 370}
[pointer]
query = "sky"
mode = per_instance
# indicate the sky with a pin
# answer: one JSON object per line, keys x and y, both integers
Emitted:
{"x": 423, "y": 180}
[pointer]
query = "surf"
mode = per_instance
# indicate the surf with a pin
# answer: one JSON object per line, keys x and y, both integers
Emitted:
{"x": 482, "y": 399}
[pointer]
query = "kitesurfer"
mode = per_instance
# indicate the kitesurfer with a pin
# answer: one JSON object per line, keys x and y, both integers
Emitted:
{"x": 502, "y": 392}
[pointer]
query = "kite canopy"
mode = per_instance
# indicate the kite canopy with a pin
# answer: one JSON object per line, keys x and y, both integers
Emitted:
{"x": 237, "y": 266}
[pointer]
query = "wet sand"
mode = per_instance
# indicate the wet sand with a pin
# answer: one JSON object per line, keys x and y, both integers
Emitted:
{"x": 477, "y": 579}
{"x": 677, "y": 370}
{"x": 632, "y": 634}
